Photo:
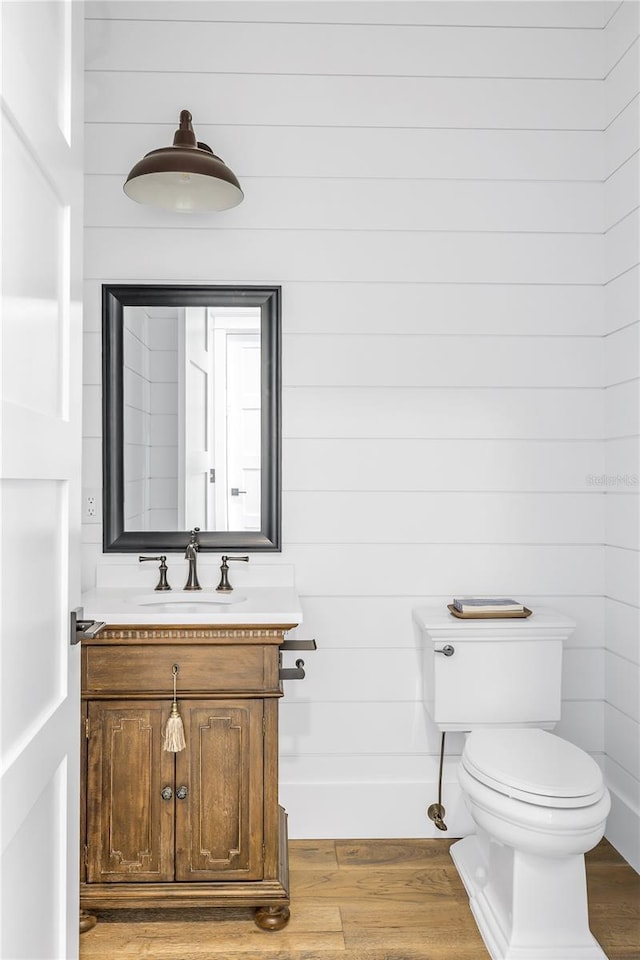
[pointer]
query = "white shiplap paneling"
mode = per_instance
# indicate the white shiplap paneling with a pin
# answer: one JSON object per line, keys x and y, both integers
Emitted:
{"x": 361, "y": 622}
{"x": 426, "y": 182}
{"x": 441, "y": 361}
{"x": 583, "y": 14}
{"x": 350, "y": 101}
{"x": 396, "y": 569}
{"x": 418, "y": 464}
{"x": 360, "y": 153}
{"x": 491, "y": 413}
{"x": 442, "y": 517}
{"x": 323, "y": 203}
{"x": 451, "y": 309}
{"x": 356, "y": 255}
{"x": 328, "y": 49}
{"x": 622, "y": 427}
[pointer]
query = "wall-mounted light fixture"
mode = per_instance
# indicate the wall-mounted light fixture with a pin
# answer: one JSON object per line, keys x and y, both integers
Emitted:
{"x": 186, "y": 177}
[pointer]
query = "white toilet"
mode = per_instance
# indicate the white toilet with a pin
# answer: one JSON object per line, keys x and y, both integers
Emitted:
{"x": 538, "y": 802}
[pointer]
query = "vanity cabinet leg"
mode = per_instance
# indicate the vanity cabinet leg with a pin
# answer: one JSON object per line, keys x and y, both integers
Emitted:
{"x": 87, "y": 921}
{"x": 272, "y": 917}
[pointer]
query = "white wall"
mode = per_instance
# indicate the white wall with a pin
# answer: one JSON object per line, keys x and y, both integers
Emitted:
{"x": 426, "y": 183}
{"x": 622, "y": 407}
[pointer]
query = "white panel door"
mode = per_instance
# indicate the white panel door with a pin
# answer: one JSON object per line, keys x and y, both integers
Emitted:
{"x": 40, "y": 474}
{"x": 243, "y": 438}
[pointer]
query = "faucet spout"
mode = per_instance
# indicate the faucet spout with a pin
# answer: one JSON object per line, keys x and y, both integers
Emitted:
{"x": 191, "y": 554}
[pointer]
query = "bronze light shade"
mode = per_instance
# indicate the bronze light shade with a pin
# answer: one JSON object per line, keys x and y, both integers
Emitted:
{"x": 186, "y": 177}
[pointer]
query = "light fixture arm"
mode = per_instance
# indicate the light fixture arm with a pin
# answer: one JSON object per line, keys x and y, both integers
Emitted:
{"x": 184, "y": 135}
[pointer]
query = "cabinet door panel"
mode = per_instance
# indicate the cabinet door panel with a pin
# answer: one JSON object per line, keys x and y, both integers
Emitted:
{"x": 219, "y": 824}
{"x": 130, "y": 827}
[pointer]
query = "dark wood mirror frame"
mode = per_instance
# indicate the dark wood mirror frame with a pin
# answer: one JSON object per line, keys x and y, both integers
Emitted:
{"x": 115, "y": 297}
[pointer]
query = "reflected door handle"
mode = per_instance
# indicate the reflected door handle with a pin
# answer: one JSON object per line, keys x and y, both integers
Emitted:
{"x": 235, "y": 492}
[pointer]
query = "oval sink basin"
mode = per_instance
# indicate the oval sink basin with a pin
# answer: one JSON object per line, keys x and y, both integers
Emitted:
{"x": 168, "y": 599}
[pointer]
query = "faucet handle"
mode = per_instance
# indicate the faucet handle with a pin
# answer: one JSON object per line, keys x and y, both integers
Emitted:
{"x": 194, "y": 537}
{"x": 162, "y": 582}
{"x": 224, "y": 586}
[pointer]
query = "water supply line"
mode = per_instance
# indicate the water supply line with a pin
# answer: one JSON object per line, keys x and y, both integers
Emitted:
{"x": 436, "y": 811}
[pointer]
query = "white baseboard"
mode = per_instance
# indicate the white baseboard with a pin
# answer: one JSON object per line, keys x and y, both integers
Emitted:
{"x": 371, "y": 810}
{"x": 623, "y": 829}
{"x": 383, "y": 810}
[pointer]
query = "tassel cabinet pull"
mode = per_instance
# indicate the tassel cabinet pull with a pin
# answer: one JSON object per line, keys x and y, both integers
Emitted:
{"x": 174, "y": 731}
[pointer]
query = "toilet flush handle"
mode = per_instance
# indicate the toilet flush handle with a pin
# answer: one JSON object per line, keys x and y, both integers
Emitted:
{"x": 447, "y": 650}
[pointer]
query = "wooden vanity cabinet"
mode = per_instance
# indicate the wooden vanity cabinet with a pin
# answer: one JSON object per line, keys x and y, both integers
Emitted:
{"x": 200, "y": 827}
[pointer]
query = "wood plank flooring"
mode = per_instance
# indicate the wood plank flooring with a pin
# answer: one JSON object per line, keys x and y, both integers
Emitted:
{"x": 361, "y": 900}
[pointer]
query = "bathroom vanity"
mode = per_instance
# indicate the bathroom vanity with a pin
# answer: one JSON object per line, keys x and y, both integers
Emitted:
{"x": 201, "y": 826}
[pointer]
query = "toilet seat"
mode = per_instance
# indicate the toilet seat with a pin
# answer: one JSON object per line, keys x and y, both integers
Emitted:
{"x": 534, "y": 766}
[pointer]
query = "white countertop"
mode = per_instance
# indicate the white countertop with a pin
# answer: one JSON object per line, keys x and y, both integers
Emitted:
{"x": 262, "y": 605}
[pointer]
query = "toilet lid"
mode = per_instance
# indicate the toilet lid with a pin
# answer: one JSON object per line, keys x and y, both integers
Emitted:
{"x": 534, "y": 766}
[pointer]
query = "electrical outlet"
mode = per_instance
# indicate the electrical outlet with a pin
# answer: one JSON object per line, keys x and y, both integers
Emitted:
{"x": 91, "y": 506}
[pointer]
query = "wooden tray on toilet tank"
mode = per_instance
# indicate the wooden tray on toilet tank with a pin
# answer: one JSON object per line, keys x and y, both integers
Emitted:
{"x": 490, "y": 615}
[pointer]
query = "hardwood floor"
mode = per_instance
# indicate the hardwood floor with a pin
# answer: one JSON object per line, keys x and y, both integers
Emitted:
{"x": 361, "y": 900}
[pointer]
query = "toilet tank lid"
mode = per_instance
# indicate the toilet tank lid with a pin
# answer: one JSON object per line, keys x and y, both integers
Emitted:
{"x": 532, "y": 762}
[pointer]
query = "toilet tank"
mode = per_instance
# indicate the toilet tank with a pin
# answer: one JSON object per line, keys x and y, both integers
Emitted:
{"x": 501, "y": 673}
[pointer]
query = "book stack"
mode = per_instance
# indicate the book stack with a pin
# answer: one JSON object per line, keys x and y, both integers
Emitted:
{"x": 487, "y": 607}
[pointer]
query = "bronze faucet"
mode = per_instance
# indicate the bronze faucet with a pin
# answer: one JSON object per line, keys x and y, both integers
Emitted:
{"x": 191, "y": 554}
{"x": 224, "y": 586}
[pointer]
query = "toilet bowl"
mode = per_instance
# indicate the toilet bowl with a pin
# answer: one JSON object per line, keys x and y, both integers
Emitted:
{"x": 539, "y": 803}
{"x": 535, "y": 791}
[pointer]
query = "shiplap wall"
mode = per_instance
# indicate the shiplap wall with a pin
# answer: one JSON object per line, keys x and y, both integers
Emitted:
{"x": 622, "y": 415}
{"x": 137, "y": 411}
{"x": 164, "y": 430}
{"x": 425, "y": 180}
{"x": 150, "y": 402}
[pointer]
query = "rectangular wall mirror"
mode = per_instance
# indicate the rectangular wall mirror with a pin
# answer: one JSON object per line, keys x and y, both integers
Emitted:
{"x": 191, "y": 417}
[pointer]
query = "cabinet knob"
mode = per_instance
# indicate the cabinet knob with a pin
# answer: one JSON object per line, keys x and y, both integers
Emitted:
{"x": 182, "y": 793}
{"x": 166, "y": 793}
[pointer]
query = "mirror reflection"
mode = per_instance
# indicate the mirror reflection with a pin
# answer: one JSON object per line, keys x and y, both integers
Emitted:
{"x": 192, "y": 402}
{"x": 191, "y": 417}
